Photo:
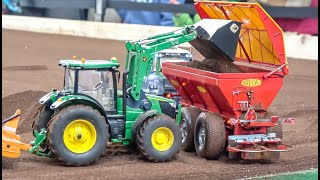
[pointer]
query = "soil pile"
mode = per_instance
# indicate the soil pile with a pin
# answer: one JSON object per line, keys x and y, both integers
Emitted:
{"x": 27, "y": 102}
{"x": 215, "y": 65}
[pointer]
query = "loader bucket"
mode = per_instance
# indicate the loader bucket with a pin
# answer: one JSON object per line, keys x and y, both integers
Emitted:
{"x": 217, "y": 39}
{"x": 11, "y": 144}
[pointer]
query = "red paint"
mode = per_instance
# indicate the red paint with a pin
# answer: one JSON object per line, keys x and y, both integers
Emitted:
{"x": 228, "y": 93}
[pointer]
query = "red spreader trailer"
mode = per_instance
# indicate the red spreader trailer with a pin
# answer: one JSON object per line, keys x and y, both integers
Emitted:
{"x": 228, "y": 111}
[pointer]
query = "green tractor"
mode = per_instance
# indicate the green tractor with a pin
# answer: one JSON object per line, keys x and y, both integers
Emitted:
{"x": 74, "y": 124}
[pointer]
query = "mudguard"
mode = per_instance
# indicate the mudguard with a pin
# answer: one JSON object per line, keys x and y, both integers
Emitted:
{"x": 139, "y": 121}
{"x": 68, "y": 100}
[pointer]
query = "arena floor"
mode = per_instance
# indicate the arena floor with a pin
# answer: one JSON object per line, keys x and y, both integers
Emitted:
{"x": 30, "y": 68}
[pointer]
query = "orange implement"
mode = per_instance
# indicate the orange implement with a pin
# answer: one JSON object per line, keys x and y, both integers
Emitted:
{"x": 11, "y": 144}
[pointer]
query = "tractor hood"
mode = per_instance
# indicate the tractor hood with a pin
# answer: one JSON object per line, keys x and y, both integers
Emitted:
{"x": 260, "y": 41}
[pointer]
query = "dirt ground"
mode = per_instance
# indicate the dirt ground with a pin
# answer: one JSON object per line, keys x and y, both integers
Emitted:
{"x": 29, "y": 68}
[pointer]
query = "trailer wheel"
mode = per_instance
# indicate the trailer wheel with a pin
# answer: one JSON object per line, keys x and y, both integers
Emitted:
{"x": 189, "y": 117}
{"x": 209, "y": 135}
{"x": 41, "y": 120}
{"x": 159, "y": 138}
{"x": 78, "y": 135}
{"x": 275, "y": 129}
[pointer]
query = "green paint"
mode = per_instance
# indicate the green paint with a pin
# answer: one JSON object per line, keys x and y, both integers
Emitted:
{"x": 54, "y": 95}
{"x": 159, "y": 98}
{"x": 40, "y": 137}
{"x": 141, "y": 54}
{"x": 178, "y": 118}
{"x": 90, "y": 64}
{"x": 139, "y": 61}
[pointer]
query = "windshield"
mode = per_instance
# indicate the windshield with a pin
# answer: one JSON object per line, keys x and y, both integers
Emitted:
{"x": 169, "y": 58}
{"x": 99, "y": 85}
{"x": 69, "y": 80}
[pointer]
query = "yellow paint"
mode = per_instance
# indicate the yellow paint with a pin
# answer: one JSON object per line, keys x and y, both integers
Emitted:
{"x": 174, "y": 82}
{"x": 201, "y": 89}
{"x": 253, "y": 34}
{"x": 79, "y": 136}
{"x": 162, "y": 139}
{"x": 251, "y": 82}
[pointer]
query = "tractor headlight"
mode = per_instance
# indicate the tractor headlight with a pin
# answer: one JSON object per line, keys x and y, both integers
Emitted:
{"x": 45, "y": 98}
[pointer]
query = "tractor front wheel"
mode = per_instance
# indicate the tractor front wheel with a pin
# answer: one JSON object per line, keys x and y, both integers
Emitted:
{"x": 209, "y": 135}
{"x": 41, "y": 120}
{"x": 159, "y": 138}
{"x": 78, "y": 135}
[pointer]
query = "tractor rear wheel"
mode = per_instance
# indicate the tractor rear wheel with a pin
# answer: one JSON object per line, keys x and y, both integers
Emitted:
{"x": 210, "y": 135}
{"x": 189, "y": 117}
{"x": 159, "y": 138}
{"x": 78, "y": 135}
{"x": 41, "y": 120}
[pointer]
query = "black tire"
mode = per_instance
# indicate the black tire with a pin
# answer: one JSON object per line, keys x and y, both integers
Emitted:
{"x": 189, "y": 117}
{"x": 136, "y": 126}
{"x": 210, "y": 135}
{"x": 56, "y": 135}
{"x": 144, "y": 138}
{"x": 275, "y": 129}
{"x": 41, "y": 120}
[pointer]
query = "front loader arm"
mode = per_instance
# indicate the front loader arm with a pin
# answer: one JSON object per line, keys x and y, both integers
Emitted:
{"x": 141, "y": 53}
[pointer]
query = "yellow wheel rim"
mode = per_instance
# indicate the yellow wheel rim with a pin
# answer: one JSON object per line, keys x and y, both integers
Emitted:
{"x": 162, "y": 139}
{"x": 79, "y": 136}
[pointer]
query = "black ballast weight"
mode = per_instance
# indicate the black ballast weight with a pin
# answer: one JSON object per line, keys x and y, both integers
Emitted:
{"x": 217, "y": 39}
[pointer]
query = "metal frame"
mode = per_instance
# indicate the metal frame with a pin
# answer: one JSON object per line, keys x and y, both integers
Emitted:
{"x": 101, "y": 5}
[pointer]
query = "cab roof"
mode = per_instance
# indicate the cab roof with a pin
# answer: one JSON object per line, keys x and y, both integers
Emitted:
{"x": 89, "y": 64}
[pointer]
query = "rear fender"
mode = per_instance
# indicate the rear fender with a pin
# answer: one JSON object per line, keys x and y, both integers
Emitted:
{"x": 69, "y": 100}
{"x": 165, "y": 105}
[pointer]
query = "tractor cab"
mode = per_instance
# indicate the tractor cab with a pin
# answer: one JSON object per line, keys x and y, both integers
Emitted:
{"x": 94, "y": 79}
{"x": 156, "y": 83}
{"x": 174, "y": 54}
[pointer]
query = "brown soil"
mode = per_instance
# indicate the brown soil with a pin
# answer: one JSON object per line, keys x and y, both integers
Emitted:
{"x": 297, "y": 98}
{"x": 215, "y": 65}
{"x": 27, "y": 102}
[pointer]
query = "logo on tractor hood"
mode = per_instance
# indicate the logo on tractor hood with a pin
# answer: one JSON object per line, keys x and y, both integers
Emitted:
{"x": 251, "y": 82}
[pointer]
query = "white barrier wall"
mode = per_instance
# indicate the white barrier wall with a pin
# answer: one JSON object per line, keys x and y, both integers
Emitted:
{"x": 297, "y": 46}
